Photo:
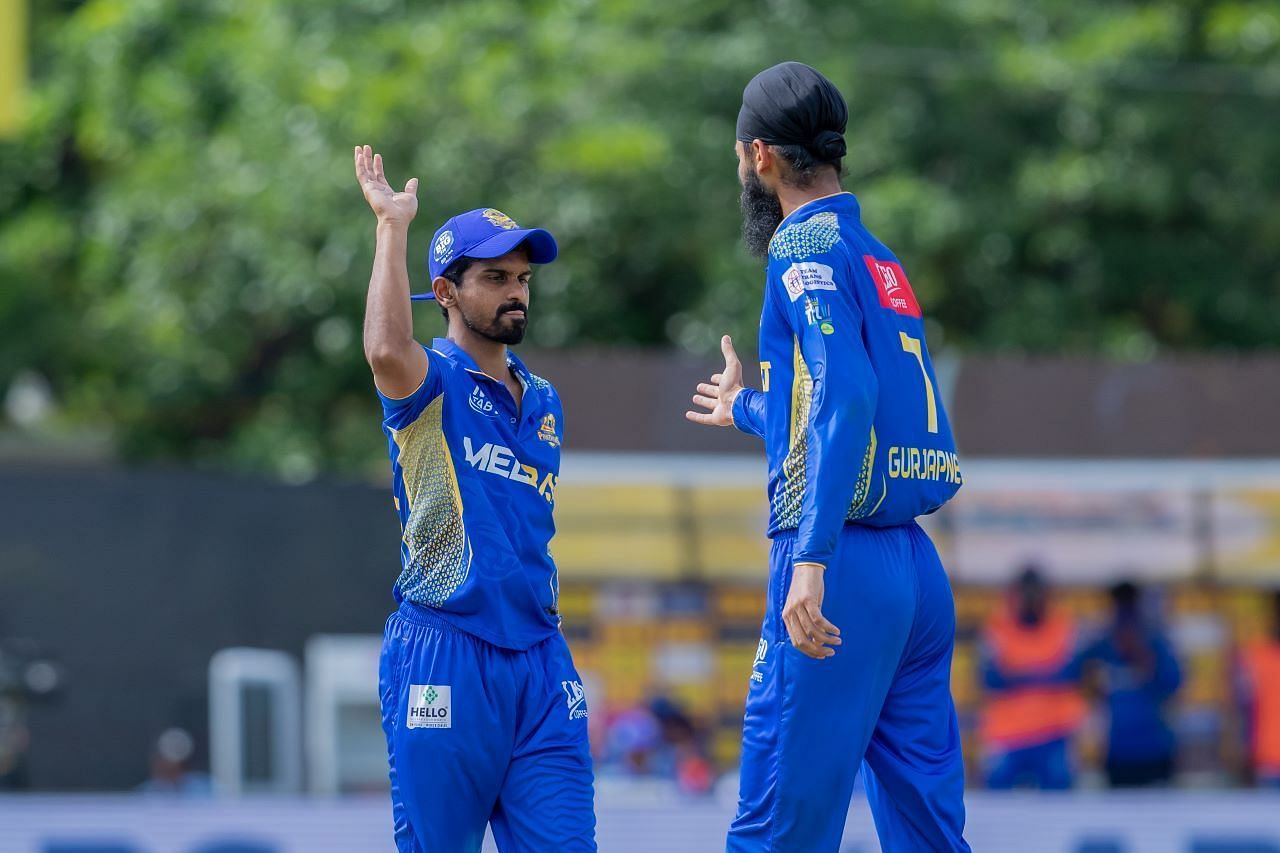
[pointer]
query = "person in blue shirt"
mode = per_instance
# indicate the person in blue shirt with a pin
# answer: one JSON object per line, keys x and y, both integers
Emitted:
{"x": 1138, "y": 673}
{"x": 854, "y": 661}
{"x": 484, "y": 712}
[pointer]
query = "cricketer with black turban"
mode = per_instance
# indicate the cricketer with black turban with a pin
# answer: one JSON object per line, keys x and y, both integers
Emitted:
{"x": 853, "y": 668}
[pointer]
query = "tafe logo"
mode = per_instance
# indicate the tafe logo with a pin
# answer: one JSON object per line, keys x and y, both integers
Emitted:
{"x": 480, "y": 402}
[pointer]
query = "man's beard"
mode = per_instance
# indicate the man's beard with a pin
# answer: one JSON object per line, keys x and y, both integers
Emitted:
{"x": 761, "y": 215}
{"x": 509, "y": 331}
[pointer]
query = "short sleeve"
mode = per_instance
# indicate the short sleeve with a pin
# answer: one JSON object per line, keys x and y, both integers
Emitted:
{"x": 400, "y": 412}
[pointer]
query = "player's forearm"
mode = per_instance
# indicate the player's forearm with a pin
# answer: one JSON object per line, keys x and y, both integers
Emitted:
{"x": 839, "y": 436}
{"x": 822, "y": 519}
{"x": 388, "y": 317}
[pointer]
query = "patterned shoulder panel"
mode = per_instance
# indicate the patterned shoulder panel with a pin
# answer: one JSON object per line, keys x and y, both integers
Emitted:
{"x": 813, "y": 236}
{"x": 540, "y": 384}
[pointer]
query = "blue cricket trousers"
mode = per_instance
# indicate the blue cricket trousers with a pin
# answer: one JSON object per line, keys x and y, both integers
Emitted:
{"x": 478, "y": 735}
{"x": 882, "y": 703}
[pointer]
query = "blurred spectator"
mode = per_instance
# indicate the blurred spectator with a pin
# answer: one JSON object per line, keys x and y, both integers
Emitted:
{"x": 25, "y": 677}
{"x": 14, "y": 742}
{"x": 1260, "y": 670}
{"x": 658, "y": 741}
{"x": 171, "y": 772}
{"x": 630, "y": 743}
{"x": 1032, "y": 706}
{"x": 1138, "y": 674}
{"x": 684, "y": 744}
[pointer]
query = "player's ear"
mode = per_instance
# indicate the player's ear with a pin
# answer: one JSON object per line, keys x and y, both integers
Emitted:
{"x": 446, "y": 295}
{"x": 762, "y": 157}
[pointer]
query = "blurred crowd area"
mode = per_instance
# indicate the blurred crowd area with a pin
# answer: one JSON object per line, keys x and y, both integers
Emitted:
{"x": 1055, "y": 687}
{"x": 1117, "y": 622}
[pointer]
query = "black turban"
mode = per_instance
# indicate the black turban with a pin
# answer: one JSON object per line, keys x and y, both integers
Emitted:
{"x": 792, "y": 104}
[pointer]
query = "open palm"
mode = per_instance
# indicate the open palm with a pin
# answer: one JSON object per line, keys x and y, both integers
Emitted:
{"x": 717, "y": 395}
{"x": 388, "y": 205}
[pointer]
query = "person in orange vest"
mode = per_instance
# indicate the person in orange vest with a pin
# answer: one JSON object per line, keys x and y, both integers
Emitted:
{"x": 1260, "y": 668}
{"x": 1031, "y": 672}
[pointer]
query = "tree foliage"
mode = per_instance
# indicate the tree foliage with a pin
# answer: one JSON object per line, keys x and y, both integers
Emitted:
{"x": 184, "y": 251}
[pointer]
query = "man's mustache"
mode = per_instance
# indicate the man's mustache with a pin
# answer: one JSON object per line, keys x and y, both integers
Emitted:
{"x": 513, "y": 306}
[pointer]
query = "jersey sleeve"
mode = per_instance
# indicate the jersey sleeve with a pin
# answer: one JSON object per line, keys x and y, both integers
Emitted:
{"x": 557, "y": 407}
{"x": 398, "y": 413}
{"x": 748, "y": 412}
{"x": 817, "y": 298}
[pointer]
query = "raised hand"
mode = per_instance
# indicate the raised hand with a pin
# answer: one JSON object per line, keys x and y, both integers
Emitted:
{"x": 388, "y": 205}
{"x": 718, "y": 394}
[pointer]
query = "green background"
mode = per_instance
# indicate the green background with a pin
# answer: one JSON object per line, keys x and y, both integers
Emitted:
{"x": 184, "y": 249}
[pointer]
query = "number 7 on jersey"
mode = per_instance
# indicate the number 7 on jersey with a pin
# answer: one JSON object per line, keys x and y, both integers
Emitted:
{"x": 912, "y": 345}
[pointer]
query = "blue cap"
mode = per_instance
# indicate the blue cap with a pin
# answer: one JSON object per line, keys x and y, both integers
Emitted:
{"x": 485, "y": 233}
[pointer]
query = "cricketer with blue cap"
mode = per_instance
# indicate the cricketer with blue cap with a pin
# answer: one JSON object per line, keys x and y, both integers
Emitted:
{"x": 484, "y": 713}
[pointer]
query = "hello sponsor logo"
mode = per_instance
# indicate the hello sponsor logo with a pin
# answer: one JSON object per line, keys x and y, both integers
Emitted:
{"x": 430, "y": 707}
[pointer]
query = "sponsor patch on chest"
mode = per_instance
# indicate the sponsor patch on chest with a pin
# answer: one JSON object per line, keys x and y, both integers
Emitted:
{"x": 480, "y": 402}
{"x": 808, "y": 275}
{"x": 547, "y": 430}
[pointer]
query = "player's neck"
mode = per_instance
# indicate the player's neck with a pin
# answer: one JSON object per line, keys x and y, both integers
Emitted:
{"x": 791, "y": 198}
{"x": 490, "y": 356}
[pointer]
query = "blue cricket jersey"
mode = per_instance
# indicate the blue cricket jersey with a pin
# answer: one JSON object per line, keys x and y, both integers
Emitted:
{"x": 850, "y": 412}
{"x": 474, "y": 484}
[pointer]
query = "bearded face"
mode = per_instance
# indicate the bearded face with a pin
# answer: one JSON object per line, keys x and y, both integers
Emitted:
{"x": 493, "y": 297}
{"x": 761, "y": 210}
{"x": 506, "y": 325}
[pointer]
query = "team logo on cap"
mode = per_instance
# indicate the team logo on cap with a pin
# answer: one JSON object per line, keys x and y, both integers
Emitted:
{"x": 500, "y": 219}
{"x": 547, "y": 431}
{"x": 444, "y": 247}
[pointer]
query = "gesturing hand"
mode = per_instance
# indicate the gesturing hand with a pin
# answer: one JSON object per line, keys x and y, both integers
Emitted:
{"x": 389, "y": 205}
{"x": 718, "y": 395}
{"x": 809, "y": 630}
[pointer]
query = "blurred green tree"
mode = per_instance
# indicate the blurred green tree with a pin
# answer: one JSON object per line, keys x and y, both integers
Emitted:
{"x": 183, "y": 248}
